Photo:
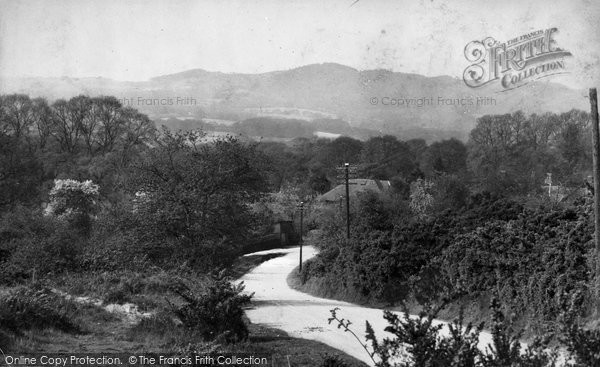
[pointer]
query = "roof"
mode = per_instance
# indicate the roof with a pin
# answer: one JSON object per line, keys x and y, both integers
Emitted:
{"x": 355, "y": 185}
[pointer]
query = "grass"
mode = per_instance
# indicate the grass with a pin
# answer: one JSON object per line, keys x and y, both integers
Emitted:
{"x": 98, "y": 331}
{"x": 25, "y": 308}
{"x": 301, "y": 352}
{"x": 107, "y": 333}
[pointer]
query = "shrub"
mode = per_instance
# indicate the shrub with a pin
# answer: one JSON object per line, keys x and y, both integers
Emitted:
{"x": 216, "y": 312}
{"x": 333, "y": 360}
{"x": 421, "y": 198}
{"x": 506, "y": 348}
{"x": 535, "y": 259}
{"x": 538, "y": 262}
{"x": 417, "y": 342}
{"x": 583, "y": 344}
{"x": 449, "y": 192}
{"x": 36, "y": 308}
{"x": 74, "y": 202}
{"x": 114, "y": 251}
{"x": 31, "y": 243}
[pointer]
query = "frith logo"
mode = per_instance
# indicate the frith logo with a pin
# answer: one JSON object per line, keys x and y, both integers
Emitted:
{"x": 515, "y": 62}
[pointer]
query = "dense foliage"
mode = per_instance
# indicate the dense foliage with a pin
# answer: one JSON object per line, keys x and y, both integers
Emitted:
{"x": 537, "y": 260}
{"x": 89, "y": 189}
{"x": 420, "y": 342}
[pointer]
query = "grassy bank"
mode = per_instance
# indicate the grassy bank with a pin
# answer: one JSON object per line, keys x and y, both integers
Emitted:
{"x": 38, "y": 318}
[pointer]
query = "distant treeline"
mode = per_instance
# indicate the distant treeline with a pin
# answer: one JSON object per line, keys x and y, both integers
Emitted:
{"x": 509, "y": 153}
{"x": 286, "y": 128}
{"x": 81, "y": 138}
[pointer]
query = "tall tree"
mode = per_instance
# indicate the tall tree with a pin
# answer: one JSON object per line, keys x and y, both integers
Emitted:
{"x": 446, "y": 156}
{"x": 196, "y": 192}
{"x": 17, "y": 115}
{"x": 384, "y": 157}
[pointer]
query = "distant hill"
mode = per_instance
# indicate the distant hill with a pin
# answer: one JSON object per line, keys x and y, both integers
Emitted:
{"x": 316, "y": 92}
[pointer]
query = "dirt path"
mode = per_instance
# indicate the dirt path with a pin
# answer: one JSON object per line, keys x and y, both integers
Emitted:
{"x": 305, "y": 316}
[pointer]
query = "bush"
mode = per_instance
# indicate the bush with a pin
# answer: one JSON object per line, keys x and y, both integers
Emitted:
{"x": 112, "y": 252}
{"x": 74, "y": 202}
{"x": 417, "y": 342}
{"x": 506, "y": 348}
{"x": 36, "y": 308}
{"x": 538, "y": 262}
{"x": 216, "y": 312}
{"x": 582, "y": 344}
{"x": 535, "y": 259}
{"x": 333, "y": 360}
{"x": 33, "y": 244}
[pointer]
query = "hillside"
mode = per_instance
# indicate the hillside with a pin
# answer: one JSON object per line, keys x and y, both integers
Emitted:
{"x": 318, "y": 91}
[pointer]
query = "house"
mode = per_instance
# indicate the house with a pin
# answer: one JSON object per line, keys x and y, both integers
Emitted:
{"x": 355, "y": 186}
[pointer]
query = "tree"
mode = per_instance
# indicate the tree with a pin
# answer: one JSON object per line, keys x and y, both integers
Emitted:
{"x": 421, "y": 197}
{"x": 138, "y": 130}
{"x": 449, "y": 192}
{"x": 345, "y": 149}
{"x": 512, "y": 152}
{"x": 285, "y": 167}
{"x": 573, "y": 141}
{"x": 446, "y": 156}
{"x": 74, "y": 201}
{"x": 65, "y": 129}
{"x": 197, "y": 191}
{"x": 110, "y": 128}
{"x": 280, "y": 205}
{"x": 17, "y": 114}
{"x": 42, "y": 116}
{"x": 21, "y": 172}
{"x": 385, "y": 157}
{"x": 417, "y": 147}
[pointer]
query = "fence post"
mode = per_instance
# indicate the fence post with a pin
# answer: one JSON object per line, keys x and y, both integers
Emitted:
{"x": 596, "y": 161}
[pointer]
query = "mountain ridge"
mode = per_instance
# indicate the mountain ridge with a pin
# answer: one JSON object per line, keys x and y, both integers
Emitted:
{"x": 326, "y": 90}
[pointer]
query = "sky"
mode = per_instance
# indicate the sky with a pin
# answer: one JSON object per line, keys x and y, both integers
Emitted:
{"x": 137, "y": 40}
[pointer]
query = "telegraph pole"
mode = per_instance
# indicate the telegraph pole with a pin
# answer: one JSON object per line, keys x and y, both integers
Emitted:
{"x": 344, "y": 173}
{"x": 301, "y": 206}
{"x": 596, "y": 157}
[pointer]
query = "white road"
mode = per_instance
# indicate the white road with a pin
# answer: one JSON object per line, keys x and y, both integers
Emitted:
{"x": 304, "y": 316}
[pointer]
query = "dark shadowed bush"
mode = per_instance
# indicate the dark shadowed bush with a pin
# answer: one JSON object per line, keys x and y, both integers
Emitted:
{"x": 216, "y": 311}
{"x": 36, "y": 308}
{"x": 332, "y": 360}
{"x": 33, "y": 244}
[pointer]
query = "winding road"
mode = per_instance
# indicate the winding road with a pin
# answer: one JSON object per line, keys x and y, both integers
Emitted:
{"x": 302, "y": 315}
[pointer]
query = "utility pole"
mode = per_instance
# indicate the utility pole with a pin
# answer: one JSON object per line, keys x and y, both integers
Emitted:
{"x": 596, "y": 160}
{"x": 301, "y": 206}
{"x": 344, "y": 173}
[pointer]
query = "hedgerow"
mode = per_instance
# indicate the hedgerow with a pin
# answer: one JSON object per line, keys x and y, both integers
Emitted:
{"x": 537, "y": 260}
